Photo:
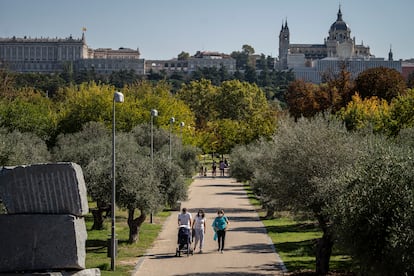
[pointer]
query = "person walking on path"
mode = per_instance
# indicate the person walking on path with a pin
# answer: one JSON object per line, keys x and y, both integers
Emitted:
{"x": 199, "y": 225}
{"x": 185, "y": 221}
{"x": 214, "y": 169}
{"x": 220, "y": 225}
{"x": 222, "y": 166}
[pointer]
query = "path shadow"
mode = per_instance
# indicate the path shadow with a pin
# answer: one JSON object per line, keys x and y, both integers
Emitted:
{"x": 161, "y": 256}
{"x": 96, "y": 245}
{"x": 254, "y": 248}
{"x": 231, "y": 193}
{"x": 304, "y": 248}
{"x": 298, "y": 227}
{"x": 254, "y": 230}
{"x": 215, "y": 185}
{"x": 243, "y": 218}
{"x": 224, "y": 274}
{"x": 228, "y": 211}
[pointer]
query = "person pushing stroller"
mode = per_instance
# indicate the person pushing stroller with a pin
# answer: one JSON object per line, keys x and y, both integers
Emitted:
{"x": 184, "y": 232}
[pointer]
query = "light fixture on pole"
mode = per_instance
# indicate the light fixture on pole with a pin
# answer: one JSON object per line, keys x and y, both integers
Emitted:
{"x": 172, "y": 120}
{"x": 154, "y": 113}
{"x": 118, "y": 98}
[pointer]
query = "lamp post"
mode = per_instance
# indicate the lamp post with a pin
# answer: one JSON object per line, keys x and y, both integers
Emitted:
{"x": 154, "y": 113}
{"x": 118, "y": 98}
{"x": 172, "y": 120}
{"x": 182, "y": 124}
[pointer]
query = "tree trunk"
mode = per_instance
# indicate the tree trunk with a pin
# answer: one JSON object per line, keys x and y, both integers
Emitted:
{"x": 269, "y": 213}
{"x": 134, "y": 225}
{"x": 98, "y": 219}
{"x": 324, "y": 248}
{"x": 323, "y": 254}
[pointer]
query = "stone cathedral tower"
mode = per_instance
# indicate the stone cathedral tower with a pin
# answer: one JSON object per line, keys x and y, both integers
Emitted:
{"x": 284, "y": 40}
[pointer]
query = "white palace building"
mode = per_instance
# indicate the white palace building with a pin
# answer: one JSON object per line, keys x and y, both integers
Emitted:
{"x": 55, "y": 55}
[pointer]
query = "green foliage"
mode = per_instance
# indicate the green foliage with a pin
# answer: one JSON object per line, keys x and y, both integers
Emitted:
{"x": 295, "y": 165}
{"x": 366, "y": 113}
{"x": 183, "y": 56}
{"x": 187, "y": 159}
{"x": 402, "y": 112}
{"x": 233, "y": 113}
{"x": 374, "y": 214}
{"x": 27, "y": 111}
{"x": 77, "y": 102}
{"x": 244, "y": 159}
{"x": 172, "y": 185}
{"x": 47, "y": 83}
{"x": 18, "y": 148}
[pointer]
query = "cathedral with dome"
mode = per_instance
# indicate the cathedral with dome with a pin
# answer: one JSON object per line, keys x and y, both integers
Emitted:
{"x": 338, "y": 44}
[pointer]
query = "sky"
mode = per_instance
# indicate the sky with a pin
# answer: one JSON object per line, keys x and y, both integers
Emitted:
{"x": 161, "y": 29}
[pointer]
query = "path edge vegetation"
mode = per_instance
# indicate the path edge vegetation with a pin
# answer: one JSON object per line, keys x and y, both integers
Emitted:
{"x": 296, "y": 262}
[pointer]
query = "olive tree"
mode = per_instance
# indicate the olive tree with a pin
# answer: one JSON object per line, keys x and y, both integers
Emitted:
{"x": 294, "y": 169}
{"x": 18, "y": 148}
{"x": 83, "y": 147}
{"x": 374, "y": 215}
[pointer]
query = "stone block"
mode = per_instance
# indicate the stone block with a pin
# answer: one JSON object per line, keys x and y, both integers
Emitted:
{"x": 42, "y": 242}
{"x": 56, "y": 188}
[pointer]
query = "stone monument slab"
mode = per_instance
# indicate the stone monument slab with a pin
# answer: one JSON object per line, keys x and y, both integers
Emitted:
{"x": 54, "y": 188}
{"x": 42, "y": 242}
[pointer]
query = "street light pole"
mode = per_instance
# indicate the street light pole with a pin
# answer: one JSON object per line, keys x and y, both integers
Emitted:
{"x": 172, "y": 120}
{"x": 154, "y": 113}
{"x": 118, "y": 98}
{"x": 182, "y": 124}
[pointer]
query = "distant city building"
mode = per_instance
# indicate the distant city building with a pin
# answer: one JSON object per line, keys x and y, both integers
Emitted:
{"x": 46, "y": 55}
{"x": 193, "y": 63}
{"x": 54, "y": 55}
{"x": 310, "y": 61}
{"x": 407, "y": 68}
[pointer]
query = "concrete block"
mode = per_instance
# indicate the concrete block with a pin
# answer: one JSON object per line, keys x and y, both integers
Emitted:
{"x": 42, "y": 242}
{"x": 56, "y": 188}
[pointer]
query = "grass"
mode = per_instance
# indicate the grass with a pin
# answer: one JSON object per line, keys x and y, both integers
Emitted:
{"x": 128, "y": 254}
{"x": 295, "y": 239}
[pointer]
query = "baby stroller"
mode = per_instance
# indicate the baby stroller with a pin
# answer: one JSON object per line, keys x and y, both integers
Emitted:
{"x": 184, "y": 242}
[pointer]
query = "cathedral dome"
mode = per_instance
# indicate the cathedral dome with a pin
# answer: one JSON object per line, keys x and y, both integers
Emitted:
{"x": 339, "y": 24}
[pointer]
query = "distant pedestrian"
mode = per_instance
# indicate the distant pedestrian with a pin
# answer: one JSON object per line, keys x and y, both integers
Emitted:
{"x": 201, "y": 171}
{"x": 222, "y": 166}
{"x": 220, "y": 225}
{"x": 199, "y": 225}
{"x": 226, "y": 163}
{"x": 214, "y": 169}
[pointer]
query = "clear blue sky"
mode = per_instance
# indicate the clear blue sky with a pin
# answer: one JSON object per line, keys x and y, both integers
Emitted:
{"x": 163, "y": 28}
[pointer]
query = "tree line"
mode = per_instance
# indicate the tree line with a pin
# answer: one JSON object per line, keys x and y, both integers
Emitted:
{"x": 344, "y": 155}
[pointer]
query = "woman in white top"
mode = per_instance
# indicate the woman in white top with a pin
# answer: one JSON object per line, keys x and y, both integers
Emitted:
{"x": 199, "y": 225}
